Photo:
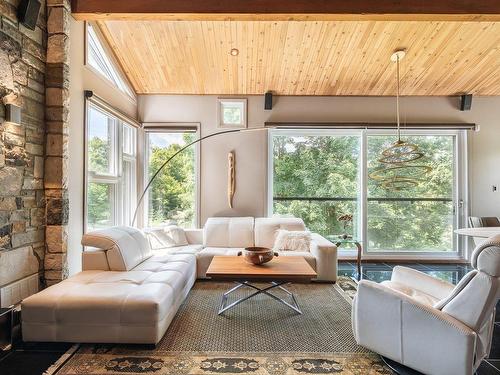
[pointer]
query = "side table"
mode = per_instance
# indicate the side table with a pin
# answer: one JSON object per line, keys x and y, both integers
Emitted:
{"x": 341, "y": 240}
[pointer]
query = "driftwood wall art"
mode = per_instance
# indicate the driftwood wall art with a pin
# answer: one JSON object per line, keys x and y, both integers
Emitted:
{"x": 231, "y": 178}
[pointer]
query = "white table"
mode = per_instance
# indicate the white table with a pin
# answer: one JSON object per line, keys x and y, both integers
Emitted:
{"x": 484, "y": 232}
{"x": 479, "y": 234}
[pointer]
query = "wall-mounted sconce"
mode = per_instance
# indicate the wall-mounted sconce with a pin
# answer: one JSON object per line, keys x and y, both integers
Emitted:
{"x": 13, "y": 113}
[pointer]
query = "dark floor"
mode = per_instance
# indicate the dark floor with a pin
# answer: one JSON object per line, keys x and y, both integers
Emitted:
{"x": 34, "y": 359}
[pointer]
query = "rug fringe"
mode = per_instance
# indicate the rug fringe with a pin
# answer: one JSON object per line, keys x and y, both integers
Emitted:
{"x": 52, "y": 370}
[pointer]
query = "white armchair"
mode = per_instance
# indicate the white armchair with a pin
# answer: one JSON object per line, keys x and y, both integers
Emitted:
{"x": 430, "y": 325}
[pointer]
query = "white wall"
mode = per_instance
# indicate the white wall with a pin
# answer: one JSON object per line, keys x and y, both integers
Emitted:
{"x": 83, "y": 78}
{"x": 251, "y": 148}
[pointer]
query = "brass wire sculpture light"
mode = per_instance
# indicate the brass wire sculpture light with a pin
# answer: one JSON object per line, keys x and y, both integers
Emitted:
{"x": 397, "y": 172}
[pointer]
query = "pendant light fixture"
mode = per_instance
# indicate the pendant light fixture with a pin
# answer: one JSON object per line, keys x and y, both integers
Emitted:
{"x": 397, "y": 171}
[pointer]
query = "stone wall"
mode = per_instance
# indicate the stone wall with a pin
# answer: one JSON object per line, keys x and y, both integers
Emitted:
{"x": 57, "y": 121}
{"x": 22, "y": 146}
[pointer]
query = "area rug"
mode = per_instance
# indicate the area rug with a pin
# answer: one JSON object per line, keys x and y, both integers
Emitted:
{"x": 259, "y": 336}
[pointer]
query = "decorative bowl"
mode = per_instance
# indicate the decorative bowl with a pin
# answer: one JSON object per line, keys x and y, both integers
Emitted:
{"x": 257, "y": 255}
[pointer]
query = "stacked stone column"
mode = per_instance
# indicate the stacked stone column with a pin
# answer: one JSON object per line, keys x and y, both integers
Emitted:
{"x": 56, "y": 159}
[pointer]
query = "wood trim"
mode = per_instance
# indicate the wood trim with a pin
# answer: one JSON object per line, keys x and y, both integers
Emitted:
{"x": 280, "y": 9}
{"x": 283, "y": 17}
{"x": 365, "y": 125}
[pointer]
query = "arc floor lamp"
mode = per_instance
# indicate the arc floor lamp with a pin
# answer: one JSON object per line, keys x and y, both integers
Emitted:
{"x": 153, "y": 177}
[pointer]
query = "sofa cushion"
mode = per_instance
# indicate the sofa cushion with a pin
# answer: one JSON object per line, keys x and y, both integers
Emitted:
{"x": 141, "y": 296}
{"x": 267, "y": 227}
{"x": 188, "y": 249}
{"x": 228, "y": 232}
{"x": 204, "y": 257}
{"x": 125, "y": 247}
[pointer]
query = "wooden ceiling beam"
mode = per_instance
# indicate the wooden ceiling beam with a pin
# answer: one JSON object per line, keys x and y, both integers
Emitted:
{"x": 307, "y": 10}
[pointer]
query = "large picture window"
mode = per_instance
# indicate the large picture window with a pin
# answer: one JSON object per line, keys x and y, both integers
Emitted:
{"x": 111, "y": 169}
{"x": 322, "y": 177}
{"x": 172, "y": 197}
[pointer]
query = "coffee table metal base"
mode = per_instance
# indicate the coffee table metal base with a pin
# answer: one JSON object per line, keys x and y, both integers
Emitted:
{"x": 224, "y": 306}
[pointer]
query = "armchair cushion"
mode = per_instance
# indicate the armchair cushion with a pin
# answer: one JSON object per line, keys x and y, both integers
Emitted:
{"x": 421, "y": 282}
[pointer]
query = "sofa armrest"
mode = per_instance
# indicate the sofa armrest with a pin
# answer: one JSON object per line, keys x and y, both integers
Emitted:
{"x": 402, "y": 329}
{"x": 325, "y": 253}
{"x": 94, "y": 259}
{"x": 194, "y": 236}
{"x": 421, "y": 281}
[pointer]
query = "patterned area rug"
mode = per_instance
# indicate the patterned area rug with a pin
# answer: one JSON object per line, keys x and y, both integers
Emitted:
{"x": 259, "y": 336}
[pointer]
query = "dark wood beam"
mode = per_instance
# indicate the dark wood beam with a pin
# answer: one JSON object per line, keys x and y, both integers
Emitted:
{"x": 287, "y": 9}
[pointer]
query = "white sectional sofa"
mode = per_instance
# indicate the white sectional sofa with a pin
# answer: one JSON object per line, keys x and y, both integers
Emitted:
{"x": 229, "y": 235}
{"x": 129, "y": 293}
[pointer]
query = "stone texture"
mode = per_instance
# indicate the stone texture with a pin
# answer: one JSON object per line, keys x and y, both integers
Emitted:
{"x": 11, "y": 180}
{"x": 16, "y": 264}
{"x": 20, "y": 239}
{"x": 55, "y": 238}
{"x": 56, "y": 211}
{"x": 54, "y": 145}
{"x": 54, "y": 174}
{"x": 58, "y": 49}
{"x": 54, "y": 261}
{"x": 58, "y": 20}
{"x": 22, "y": 202}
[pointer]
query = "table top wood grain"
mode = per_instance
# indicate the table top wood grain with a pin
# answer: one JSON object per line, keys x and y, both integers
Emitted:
{"x": 283, "y": 268}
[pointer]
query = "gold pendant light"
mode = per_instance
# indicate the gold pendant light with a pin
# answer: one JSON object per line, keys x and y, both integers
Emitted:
{"x": 397, "y": 172}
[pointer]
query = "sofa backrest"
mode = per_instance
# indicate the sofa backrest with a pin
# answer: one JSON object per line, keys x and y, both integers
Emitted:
{"x": 228, "y": 232}
{"x": 125, "y": 247}
{"x": 267, "y": 227}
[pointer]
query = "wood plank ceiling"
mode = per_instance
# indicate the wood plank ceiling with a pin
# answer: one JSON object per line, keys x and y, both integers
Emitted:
{"x": 307, "y": 57}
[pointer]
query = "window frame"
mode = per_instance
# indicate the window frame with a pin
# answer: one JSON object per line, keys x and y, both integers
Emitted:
{"x": 127, "y": 88}
{"x": 460, "y": 187}
{"x": 194, "y": 128}
{"x": 119, "y": 214}
{"x": 220, "y": 116}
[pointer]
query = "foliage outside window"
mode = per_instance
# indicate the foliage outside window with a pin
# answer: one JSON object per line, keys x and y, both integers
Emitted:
{"x": 111, "y": 171}
{"x": 172, "y": 196}
{"x": 319, "y": 178}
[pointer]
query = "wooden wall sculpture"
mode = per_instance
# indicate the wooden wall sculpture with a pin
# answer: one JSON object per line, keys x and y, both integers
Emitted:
{"x": 231, "y": 178}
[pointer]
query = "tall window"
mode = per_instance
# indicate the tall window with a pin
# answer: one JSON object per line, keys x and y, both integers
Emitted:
{"x": 111, "y": 169}
{"x": 316, "y": 178}
{"x": 172, "y": 196}
{"x": 99, "y": 58}
{"x": 321, "y": 176}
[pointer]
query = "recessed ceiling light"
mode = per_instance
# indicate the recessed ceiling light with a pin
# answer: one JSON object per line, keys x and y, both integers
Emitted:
{"x": 234, "y": 52}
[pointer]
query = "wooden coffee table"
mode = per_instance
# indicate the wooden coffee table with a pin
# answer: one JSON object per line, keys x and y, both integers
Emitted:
{"x": 277, "y": 272}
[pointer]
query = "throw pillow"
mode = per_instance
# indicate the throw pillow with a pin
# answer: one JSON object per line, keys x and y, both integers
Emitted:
{"x": 176, "y": 235}
{"x": 169, "y": 236}
{"x": 292, "y": 240}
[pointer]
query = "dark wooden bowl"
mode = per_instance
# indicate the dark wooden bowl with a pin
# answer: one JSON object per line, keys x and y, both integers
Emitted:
{"x": 257, "y": 255}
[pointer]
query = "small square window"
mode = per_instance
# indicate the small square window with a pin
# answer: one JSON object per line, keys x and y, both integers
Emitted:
{"x": 231, "y": 113}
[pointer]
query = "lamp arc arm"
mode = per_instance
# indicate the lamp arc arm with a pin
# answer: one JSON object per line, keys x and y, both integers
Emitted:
{"x": 141, "y": 198}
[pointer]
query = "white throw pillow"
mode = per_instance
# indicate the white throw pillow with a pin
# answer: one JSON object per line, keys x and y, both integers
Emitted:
{"x": 170, "y": 236}
{"x": 176, "y": 235}
{"x": 287, "y": 240}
